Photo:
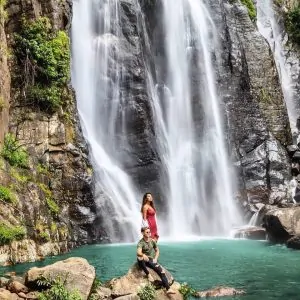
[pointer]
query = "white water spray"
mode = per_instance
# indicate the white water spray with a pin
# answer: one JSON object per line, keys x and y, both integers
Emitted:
{"x": 200, "y": 193}
{"x": 200, "y": 182}
{"x": 269, "y": 28}
{"x": 97, "y": 69}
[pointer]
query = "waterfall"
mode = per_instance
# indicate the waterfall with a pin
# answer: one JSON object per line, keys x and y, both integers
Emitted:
{"x": 268, "y": 26}
{"x": 200, "y": 182}
{"x": 96, "y": 75}
{"x": 199, "y": 194}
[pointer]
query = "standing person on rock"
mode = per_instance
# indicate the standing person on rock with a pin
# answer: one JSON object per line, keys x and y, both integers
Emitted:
{"x": 147, "y": 256}
{"x": 149, "y": 215}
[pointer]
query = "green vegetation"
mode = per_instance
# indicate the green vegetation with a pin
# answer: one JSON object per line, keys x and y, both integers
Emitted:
{"x": 3, "y": 13}
{"x": 147, "y": 292}
{"x": 186, "y": 291}
{"x": 13, "y": 152}
{"x": 292, "y": 24}
{"x": 251, "y": 8}
{"x": 52, "y": 205}
{"x": 10, "y": 233}
{"x": 278, "y": 2}
{"x": 265, "y": 96}
{"x": 44, "y": 236}
{"x": 53, "y": 228}
{"x": 18, "y": 176}
{"x": 46, "y": 57}
{"x": 2, "y": 103}
{"x": 56, "y": 290}
{"x": 42, "y": 169}
{"x": 7, "y": 195}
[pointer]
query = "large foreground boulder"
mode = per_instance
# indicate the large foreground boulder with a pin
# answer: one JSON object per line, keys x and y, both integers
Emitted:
{"x": 135, "y": 280}
{"x": 75, "y": 272}
{"x": 282, "y": 223}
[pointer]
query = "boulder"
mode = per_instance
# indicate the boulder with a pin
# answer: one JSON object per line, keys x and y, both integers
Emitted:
{"x": 102, "y": 293}
{"x": 282, "y": 223}
{"x": 294, "y": 242}
{"x": 76, "y": 273}
{"x": 17, "y": 287}
{"x": 7, "y": 295}
{"x": 251, "y": 233}
{"x": 136, "y": 279}
{"x": 219, "y": 291}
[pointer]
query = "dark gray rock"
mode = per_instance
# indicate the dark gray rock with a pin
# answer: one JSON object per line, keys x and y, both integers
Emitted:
{"x": 294, "y": 242}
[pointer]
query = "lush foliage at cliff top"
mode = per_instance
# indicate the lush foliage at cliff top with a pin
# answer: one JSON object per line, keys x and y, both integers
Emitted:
{"x": 45, "y": 56}
{"x": 292, "y": 24}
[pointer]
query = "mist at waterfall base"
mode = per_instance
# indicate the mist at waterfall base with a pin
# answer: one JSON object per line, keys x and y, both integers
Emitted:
{"x": 200, "y": 185}
{"x": 265, "y": 272}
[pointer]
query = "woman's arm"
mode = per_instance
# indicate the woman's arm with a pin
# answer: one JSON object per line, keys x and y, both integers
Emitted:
{"x": 144, "y": 213}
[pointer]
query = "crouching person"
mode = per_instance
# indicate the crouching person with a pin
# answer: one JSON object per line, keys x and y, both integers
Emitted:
{"x": 147, "y": 256}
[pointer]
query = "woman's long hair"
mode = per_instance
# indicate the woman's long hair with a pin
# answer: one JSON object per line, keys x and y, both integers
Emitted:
{"x": 145, "y": 201}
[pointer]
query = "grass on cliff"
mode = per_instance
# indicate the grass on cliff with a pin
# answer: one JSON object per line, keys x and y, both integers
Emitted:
{"x": 250, "y": 6}
{"x": 292, "y": 24}
{"x": 7, "y": 195}
{"x": 45, "y": 56}
{"x": 10, "y": 233}
{"x": 14, "y": 153}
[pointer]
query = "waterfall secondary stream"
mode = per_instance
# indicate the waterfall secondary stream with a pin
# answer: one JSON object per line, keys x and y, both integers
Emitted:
{"x": 200, "y": 183}
{"x": 268, "y": 26}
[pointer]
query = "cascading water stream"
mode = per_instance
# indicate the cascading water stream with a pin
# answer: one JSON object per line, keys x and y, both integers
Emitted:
{"x": 201, "y": 185}
{"x": 269, "y": 28}
{"x": 97, "y": 71}
{"x": 199, "y": 195}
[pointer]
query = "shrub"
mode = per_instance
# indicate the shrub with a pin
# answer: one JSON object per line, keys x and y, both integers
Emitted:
{"x": 10, "y": 233}
{"x": 251, "y": 8}
{"x": 147, "y": 292}
{"x": 3, "y": 13}
{"x": 46, "y": 56}
{"x": 292, "y": 24}
{"x": 56, "y": 291}
{"x": 186, "y": 291}
{"x": 7, "y": 195}
{"x": 52, "y": 205}
{"x": 13, "y": 152}
{"x": 44, "y": 236}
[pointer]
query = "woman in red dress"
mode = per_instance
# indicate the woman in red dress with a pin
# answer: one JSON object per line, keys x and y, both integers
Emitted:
{"x": 148, "y": 214}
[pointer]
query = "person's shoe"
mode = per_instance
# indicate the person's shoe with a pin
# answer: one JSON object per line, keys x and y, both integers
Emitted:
{"x": 150, "y": 278}
{"x": 170, "y": 292}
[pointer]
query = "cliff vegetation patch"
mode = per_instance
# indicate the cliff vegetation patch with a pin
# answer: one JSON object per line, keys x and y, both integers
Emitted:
{"x": 292, "y": 24}
{"x": 10, "y": 233}
{"x": 14, "y": 153}
{"x": 251, "y": 8}
{"x": 7, "y": 195}
{"x": 45, "y": 57}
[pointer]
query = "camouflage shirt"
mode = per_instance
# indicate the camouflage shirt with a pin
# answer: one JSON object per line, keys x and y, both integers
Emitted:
{"x": 148, "y": 248}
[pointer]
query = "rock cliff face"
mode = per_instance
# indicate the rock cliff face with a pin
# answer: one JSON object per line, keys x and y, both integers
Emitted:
{"x": 257, "y": 125}
{"x": 257, "y": 118}
{"x": 53, "y": 201}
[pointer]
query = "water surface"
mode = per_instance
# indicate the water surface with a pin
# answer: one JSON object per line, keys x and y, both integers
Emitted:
{"x": 265, "y": 271}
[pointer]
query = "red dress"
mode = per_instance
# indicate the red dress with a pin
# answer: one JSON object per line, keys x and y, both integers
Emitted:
{"x": 152, "y": 222}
